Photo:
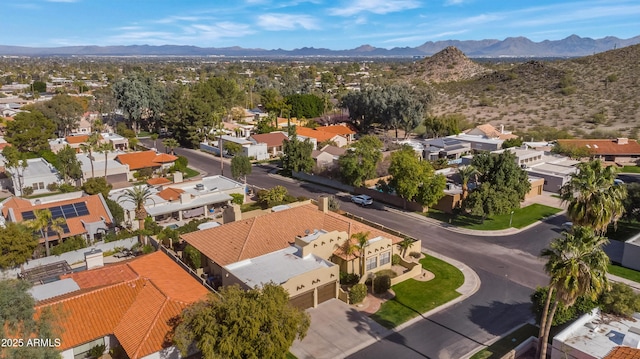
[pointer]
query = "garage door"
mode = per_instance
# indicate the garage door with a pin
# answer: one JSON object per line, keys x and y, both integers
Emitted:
{"x": 326, "y": 292}
{"x": 302, "y": 301}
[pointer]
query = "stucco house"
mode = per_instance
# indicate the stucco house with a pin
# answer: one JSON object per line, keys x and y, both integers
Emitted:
{"x": 322, "y": 136}
{"x": 327, "y": 156}
{"x": 619, "y": 150}
{"x": 128, "y": 304}
{"x": 146, "y": 159}
{"x": 273, "y": 140}
{"x": 299, "y": 248}
{"x": 38, "y": 174}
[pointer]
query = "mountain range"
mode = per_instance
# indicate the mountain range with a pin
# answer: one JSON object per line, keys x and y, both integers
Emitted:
{"x": 572, "y": 46}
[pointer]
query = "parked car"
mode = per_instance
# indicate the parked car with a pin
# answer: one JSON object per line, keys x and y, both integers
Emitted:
{"x": 567, "y": 226}
{"x": 362, "y": 199}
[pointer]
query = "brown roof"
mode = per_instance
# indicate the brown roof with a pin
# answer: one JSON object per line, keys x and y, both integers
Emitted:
{"x": 256, "y": 236}
{"x": 272, "y": 139}
{"x": 623, "y": 353}
{"x": 96, "y": 206}
{"x": 605, "y": 147}
{"x": 138, "y": 160}
{"x": 135, "y": 304}
{"x": 157, "y": 181}
{"x": 170, "y": 194}
{"x": 336, "y": 129}
{"x": 79, "y": 139}
{"x": 319, "y": 135}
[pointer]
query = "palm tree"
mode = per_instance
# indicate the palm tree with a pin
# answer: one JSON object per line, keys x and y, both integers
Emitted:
{"x": 42, "y": 223}
{"x": 154, "y": 137}
{"x": 577, "y": 266}
{"x": 105, "y": 148}
{"x": 362, "y": 242}
{"x": 405, "y": 245}
{"x": 466, "y": 173}
{"x": 349, "y": 248}
{"x": 89, "y": 147}
{"x": 594, "y": 200}
{"x": 138, "y": 195}
{"x": 171, "y": 144}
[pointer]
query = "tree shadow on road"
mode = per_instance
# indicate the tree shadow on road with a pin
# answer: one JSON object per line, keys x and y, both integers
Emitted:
{"x": 498, "y": 317}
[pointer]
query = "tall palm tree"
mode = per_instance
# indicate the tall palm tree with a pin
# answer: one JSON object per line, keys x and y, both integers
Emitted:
{"x": 171, "y": 144}
{"x": 42, "y": 223}
{"x": 139, "y": 196}
{"x": 350, "y": 248}
{"x": 466, "y": 173}
{"x": 105, "y": 148}
{"x": 88, "y": 147}
{"x": 154, "y": 138}
{"x": 577, "y": 266}
{"x": 594, "y": 200}
{"x": 362, "y": 241}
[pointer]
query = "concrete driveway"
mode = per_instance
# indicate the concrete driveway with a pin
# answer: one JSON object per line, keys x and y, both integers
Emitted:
{"x": 337, "y": 330}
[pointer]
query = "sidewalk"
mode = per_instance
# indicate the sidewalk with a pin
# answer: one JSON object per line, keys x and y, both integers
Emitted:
{"x": 339, "y": 330}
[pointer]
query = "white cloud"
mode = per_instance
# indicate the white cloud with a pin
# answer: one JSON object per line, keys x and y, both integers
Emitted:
{"x": 379, "y": 7}
{"x": 453, "y": 2}
{"x": 174, "y": 19}
{"x": 276, "y": 22}
{"x": 185, "y": 35}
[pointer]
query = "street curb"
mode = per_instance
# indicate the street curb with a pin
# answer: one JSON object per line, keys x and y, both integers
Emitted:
{"x": 630, "y": 283}
{"x": 471, "y": 279}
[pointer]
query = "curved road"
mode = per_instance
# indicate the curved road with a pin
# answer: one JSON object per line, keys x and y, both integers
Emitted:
{"x": 508, "y": 267}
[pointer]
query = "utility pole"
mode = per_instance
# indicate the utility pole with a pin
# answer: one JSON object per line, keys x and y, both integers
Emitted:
{"x": 220, "y": 148}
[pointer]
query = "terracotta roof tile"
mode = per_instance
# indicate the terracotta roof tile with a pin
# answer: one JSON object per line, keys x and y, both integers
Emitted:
{"x": 137, "y": 311}
{"x": 170, "y": 194}
{"x": 318, "y": 135}
{"x": 336, "y": 129}
{"x": 605, "y": 147}
{"x": 77, "y": 139}
{"x": 272, "y": 139}
{"x": 256, "y": 236}
{"x": 620, "y": 352}
{"x": 138, "y": 160}
{"x": 157, "y": 181}
{"x": 96, "y": 206}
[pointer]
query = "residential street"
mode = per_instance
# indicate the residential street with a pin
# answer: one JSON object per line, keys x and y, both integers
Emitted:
{"x": 508, "y": 267}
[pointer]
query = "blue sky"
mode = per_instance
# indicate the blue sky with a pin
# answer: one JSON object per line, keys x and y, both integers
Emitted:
{"x": 289, "y": 24}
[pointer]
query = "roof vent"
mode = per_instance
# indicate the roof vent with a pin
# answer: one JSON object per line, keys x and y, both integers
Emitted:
{"x": 200, "y": 187}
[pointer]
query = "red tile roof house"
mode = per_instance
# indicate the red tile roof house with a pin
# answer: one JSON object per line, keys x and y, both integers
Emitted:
{"x": 146, "y": 159}
{"x": 274, "y": 141}
{"x": 130, "y": 304}
{"x": 86, "y": 216}
{"x": 619, "y": 150}
{"x": 321, "y": 136}
{"x": 298, "y": 248}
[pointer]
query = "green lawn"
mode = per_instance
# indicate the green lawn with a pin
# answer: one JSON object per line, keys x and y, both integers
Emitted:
{"x": 522, "y": 217}
{"x": 291, "y": 356}
{"x": 623, "y": 230}
{"x": 504, "y": 345}
{"x": 623, "y": 272}
{"x": 414, "y": 297}
{"x": 144, "y": 134}
{"x": 630, "y": 169}
{"x": 190, "y": 172}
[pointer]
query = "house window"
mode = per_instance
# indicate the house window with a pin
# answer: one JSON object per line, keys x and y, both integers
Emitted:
{"x": 385, "y": 258}
{"x": 372, "y": 263}
{"x": 37, "y": 186}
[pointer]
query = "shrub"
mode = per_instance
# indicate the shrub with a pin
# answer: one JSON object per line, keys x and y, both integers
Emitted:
{"x": 68, "y": 245}
{"x": 191, "y": 257}
{"x": 395, "y": 259}
{"x": 238, "y": 198}
{"x": 563, "y": 314}
{"x": 334, "y": 204}
{"x": 97, "y": 185}
{"x": 620, "y": 300}
{"x": 381, "y": 283}
{"x": 52, "y": 187}
{"x": 415, "y": 254}
{"x": 97, "y": 351}
{"x": 349, "y": 278}
{"x": 66, "y": 188}
{"x": 148, "y": 248}
{"x": 116, "y": 210}
{"x": 151, "y": 227}
{"x": 357, "y": 293}
{"x": 27, "y": 191}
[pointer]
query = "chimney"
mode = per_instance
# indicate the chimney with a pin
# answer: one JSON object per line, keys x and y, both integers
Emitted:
{"x": 622, "y": 141}
{"x": 231, "y": 214}
{"x": 177, "y": 177}
{"x": 323, "y": 204}
{"x": 93, "y": 259}
{"x": 185, "y": 197}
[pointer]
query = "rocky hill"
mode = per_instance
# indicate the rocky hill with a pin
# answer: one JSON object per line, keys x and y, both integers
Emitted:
{"x": 597, "y": 94}
{"x": 447, "y": 65}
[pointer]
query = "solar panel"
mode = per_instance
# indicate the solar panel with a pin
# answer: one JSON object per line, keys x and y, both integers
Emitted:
{"x": 69, "y": 211}
{"x": 53, "y": 234}
{"x": 27, "y": 215}
{"x": 56, "y": 212}
{"x": 81, "y": 209}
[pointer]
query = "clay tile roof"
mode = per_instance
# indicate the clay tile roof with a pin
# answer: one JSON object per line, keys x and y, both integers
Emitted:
{"x": 318, "y": 135}
{"x": 157, "y": 181}
{"x": 164, "y": 158}
{"x": 77, "y": 139}
{"x": 256, "y": 236}
{"x": 620, "y": 352}
{"x": 138, "y": 160}
{"x": 3, "y": 145}
{"x": 272, "y": 139}
{"x": 336, "y": 129}
{"x": 170, "y": 194}
{"x": 605, "y": 147}
{"x": 97, "y": 208}
{"x": 152, "y": 290}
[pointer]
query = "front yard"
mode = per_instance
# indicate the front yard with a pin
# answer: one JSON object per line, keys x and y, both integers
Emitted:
{"x": 522, "y": 217}
{"x": 507, "y": 343}
{"x": 413, "y": 298}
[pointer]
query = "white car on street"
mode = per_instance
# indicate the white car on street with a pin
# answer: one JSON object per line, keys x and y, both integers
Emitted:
{"x": 362, "y": 199}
